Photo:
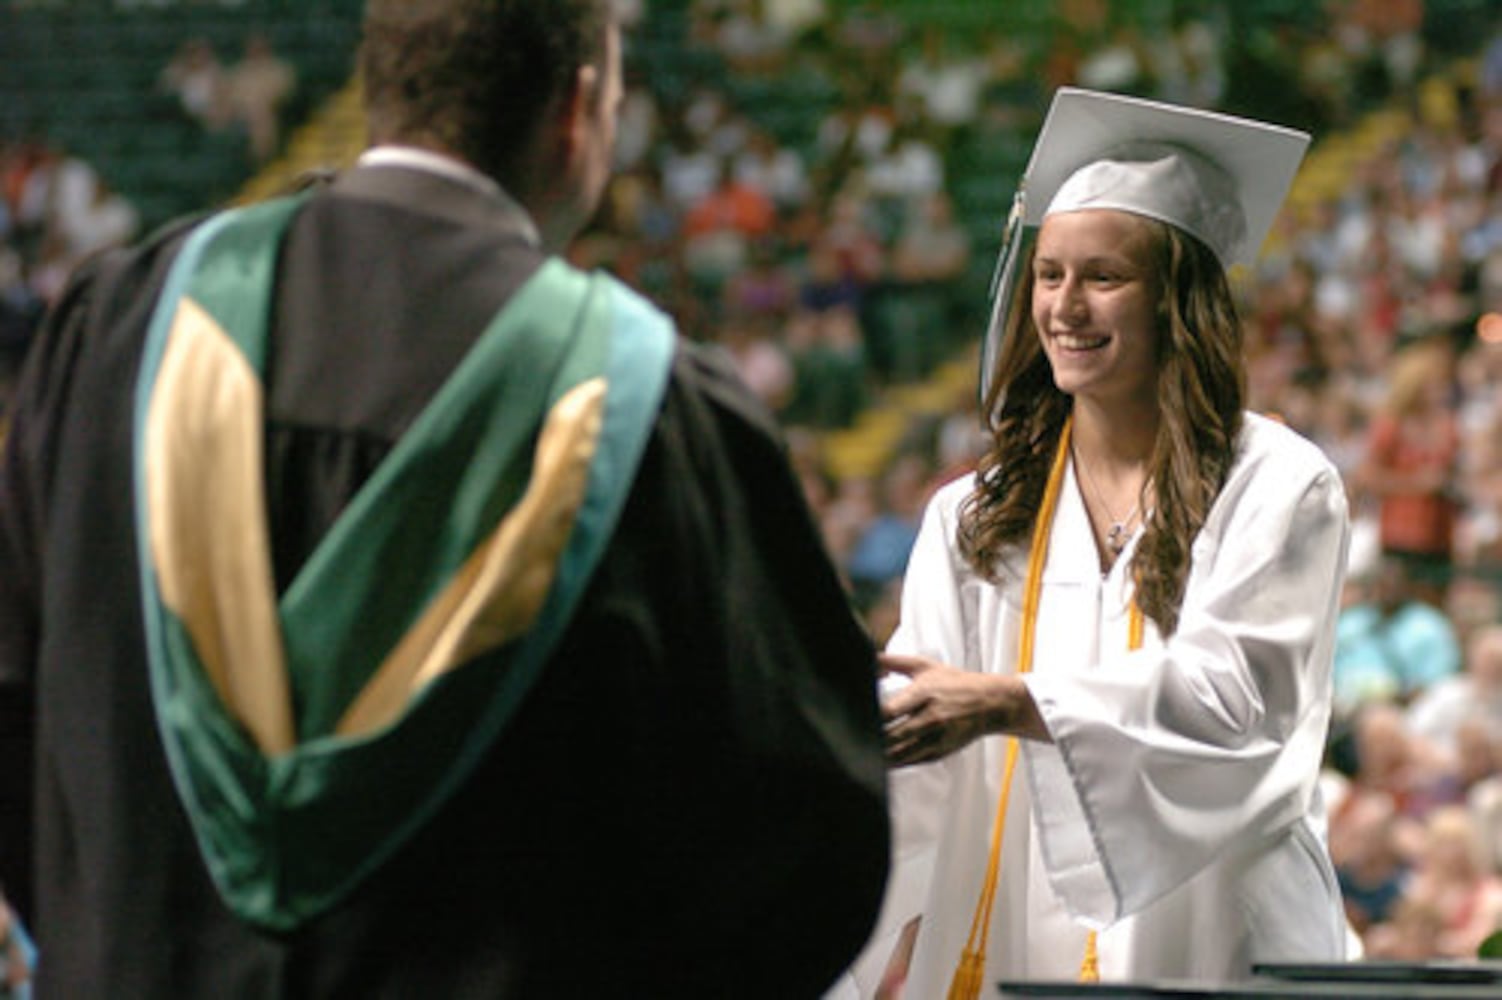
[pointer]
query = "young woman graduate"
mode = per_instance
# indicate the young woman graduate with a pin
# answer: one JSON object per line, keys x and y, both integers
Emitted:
{"x": 1109, "y": 691}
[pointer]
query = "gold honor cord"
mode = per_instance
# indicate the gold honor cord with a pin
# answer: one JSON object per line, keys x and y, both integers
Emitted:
{"x": 968, "y": 974}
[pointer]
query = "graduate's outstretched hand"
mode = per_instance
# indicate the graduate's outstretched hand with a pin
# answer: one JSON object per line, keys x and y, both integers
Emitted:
{"x": 943, "y": 709}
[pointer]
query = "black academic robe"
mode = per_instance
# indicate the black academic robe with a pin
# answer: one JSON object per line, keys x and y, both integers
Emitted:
{"x": 691, "y": 802}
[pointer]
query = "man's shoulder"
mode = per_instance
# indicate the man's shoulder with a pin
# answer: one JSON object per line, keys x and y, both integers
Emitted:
{"x": 705, "y": 373}
{"x": 117, "y": 277}
{"x": 98, "y": 320}
{"x": 705, "y": 396}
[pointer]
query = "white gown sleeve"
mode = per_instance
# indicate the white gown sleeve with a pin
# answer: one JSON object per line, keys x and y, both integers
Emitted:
{"x": 1170, "y": 757}
{"x": 933, "y": 624}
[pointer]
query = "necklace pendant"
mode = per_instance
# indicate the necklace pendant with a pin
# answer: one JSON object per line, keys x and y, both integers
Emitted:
{"x": 1116, "y": 538}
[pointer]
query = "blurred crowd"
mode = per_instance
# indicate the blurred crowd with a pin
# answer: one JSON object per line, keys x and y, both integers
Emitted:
{"x": 248, "y": 94}
{"x": 835, "y": 261}
{"x": 57, "y": 207}
{"x": 834, "y": 266}
{"x": 55, "y": 210}
{"x": 1373, "y": 328}
{"x": 798, "y": 195}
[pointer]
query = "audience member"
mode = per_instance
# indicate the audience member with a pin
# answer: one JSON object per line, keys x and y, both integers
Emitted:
{"x": 17, "y": 955}
{"x": 256, "y": 90}
{"x": 689, "y": 169}
{"x": 1480, "y": 371}
{"x": 1453, "y": 876}
{"x": 1412, "y": 464}
{"x": 1413, "y": 933}
{"x": 1438, "y": 710}
{"x": 775, "y": 170}
{"x": 1389, "y": 764}
{"x": 825, "y": 341}
{"x": 719, "y": 228}
{"x": 760, "y": 361}
{"x": 766, "y": 287}
{"x": 930, "y": 255}
{"x": 946, "y": 85}
{"x": 1368, "y": 861}
{"x": 1390, "y": 643}
{"x": 20, "y": 310}
{"x": 196, "y": 78}
{"x": 638, "y": 131}
{"x": 101, "y": 218}
{"x": 1484, "y": 800}
{"x": 909, "y": 167}
{"x": 880, "y": 552}
{"x": 751, "y": 44}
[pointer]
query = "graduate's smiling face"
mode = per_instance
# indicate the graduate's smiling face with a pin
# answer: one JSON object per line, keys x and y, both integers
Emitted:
{"x": 1095, "y": 303}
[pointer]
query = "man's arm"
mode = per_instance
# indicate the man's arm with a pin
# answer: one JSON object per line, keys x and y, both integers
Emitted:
{"x": 36, "y": 411}
{"x": 18, "y": 644}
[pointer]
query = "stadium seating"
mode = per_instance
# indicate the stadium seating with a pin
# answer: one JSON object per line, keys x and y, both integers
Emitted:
{"x": 85, "y": 75}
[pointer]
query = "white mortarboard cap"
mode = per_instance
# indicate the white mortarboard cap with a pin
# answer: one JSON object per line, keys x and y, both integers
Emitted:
{"x": 1219, "y": 178}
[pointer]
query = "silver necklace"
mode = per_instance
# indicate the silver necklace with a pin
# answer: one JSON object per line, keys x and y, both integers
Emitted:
{"x": 1117, "y": 533}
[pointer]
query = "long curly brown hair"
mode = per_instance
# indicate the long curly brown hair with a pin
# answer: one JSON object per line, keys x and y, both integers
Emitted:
{"x": 1201, "y": 388}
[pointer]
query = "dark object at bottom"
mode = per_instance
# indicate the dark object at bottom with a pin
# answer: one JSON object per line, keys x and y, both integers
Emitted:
{"x": 1419, "y": 980}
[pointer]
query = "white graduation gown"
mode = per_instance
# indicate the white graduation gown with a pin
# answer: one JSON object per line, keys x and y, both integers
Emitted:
{"x": 1177, "y": 810}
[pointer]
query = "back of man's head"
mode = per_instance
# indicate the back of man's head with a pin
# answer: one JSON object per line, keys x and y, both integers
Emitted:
{"x": 474, "y": 77}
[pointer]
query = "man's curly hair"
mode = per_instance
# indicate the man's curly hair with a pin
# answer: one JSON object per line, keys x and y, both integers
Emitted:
{"x": 474, "y": 75}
